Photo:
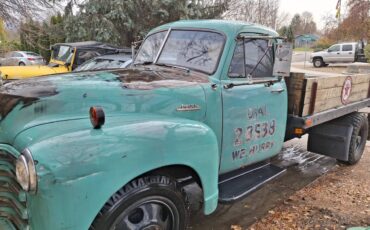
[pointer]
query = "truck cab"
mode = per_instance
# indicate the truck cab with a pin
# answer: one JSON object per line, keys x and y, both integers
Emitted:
{"x": 205, "y": 102}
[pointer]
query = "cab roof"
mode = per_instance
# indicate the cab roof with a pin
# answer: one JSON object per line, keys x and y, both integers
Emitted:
{"x": 89, "y": 45}
{"x": 228, "y": 27}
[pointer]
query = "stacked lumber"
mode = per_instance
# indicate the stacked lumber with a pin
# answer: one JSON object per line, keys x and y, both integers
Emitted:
{"x": 312, "y": 94}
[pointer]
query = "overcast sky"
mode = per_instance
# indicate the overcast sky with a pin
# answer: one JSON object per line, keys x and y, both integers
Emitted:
{"x": 317, "y": 7}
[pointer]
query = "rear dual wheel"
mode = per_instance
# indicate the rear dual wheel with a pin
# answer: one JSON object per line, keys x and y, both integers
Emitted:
{"x": 359, "y": 136}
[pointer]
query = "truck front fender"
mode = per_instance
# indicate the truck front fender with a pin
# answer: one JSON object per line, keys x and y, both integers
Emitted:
{"x": 80, "y": 168}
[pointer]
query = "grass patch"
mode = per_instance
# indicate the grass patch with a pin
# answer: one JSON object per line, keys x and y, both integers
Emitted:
{"x": 303, "y": 49}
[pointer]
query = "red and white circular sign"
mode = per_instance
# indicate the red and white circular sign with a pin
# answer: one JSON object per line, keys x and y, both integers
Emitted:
{"x": 346, "y": 90}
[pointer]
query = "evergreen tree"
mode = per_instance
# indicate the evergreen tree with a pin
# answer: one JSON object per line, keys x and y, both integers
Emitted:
{"x": 38, "y": 37}
{"x": 287, "y": 31}
{"x": 123, "y": 21}
{"x": 2, "y": 31}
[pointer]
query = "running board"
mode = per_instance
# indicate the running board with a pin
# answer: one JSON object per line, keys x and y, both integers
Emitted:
{"x": 240, "y": 183}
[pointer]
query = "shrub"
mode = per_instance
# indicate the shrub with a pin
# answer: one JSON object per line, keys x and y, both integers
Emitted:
{"x": 367, "y": 52}
{"x": 322, "y": 43}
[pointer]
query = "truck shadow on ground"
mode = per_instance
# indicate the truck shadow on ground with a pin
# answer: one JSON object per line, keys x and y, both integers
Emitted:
{"x": 302, "y": 169}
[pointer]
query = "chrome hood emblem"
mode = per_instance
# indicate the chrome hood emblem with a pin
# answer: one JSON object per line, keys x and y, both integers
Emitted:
{"x": 188, "y": 107}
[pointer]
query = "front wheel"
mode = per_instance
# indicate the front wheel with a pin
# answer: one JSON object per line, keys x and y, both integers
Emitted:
{"x": 147, "y": 203}
{"x": 22, "y": 64}
{"x": 318, "y": 62}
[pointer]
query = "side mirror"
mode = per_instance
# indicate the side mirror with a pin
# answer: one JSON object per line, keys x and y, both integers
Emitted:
{"x": 270, "y": 43}
{"x": 283, "y": 59}
{"x": 329, "y": 51}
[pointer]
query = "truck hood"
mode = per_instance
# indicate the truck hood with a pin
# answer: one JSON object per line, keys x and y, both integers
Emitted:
{"x": 22, "y": 72}
{"x": 38, "y": 101}
{"x": 319, "y": 52}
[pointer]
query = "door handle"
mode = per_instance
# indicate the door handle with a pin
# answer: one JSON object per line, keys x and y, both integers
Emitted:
{"x": 338, "y": 53}
{"x": 277, "y": 90}
{"x": 350, "y": 52}
{"x": 229, "y": 86}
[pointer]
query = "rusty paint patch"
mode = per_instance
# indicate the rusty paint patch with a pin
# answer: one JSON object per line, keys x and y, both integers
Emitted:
{"x": 24, "y": 92}
{"x": 158, "y": 77}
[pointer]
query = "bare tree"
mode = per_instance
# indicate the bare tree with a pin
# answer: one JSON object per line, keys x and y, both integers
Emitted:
{"x": 309, "y": 26}
{"x": 282, "y": 20}
{"x": 330, "y": 23}
{"x": 14, "y": 10}
{"x": 264, "y": 12}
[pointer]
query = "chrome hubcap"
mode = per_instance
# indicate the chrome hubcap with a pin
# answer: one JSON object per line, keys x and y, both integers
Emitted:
{"x": 151, "y": 215}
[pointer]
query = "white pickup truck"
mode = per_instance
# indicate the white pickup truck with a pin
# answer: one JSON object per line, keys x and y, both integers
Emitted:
{"x": 338, "y": 53}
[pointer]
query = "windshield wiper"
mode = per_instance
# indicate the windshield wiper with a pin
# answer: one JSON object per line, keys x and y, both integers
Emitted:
{"x": 174, "y": 66}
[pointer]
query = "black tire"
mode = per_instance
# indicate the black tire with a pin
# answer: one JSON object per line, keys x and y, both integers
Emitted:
{"x": 21, "y": 64}
{"x": 158, "y": 197}
{"x": 318, "y": 62}
{"x": 358, "y": 137}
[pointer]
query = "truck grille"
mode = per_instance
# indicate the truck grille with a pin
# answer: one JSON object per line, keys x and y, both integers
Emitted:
{"x": 12, "y": 198}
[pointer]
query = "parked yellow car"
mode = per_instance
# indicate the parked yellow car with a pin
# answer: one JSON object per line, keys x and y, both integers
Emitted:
{"x": 65, "y": 57}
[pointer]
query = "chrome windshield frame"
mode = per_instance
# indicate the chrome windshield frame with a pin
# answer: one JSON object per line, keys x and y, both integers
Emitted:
{"x": 162, "y": 45}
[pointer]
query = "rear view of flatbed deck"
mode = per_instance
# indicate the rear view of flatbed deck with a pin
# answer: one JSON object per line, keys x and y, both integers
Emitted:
{"x": 327, "y": 109}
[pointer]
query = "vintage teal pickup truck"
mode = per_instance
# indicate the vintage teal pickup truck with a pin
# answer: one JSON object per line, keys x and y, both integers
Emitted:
{"x": 113, "y": 149}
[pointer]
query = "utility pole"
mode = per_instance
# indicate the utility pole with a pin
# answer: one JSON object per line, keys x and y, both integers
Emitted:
{"x": 338, "y": 16}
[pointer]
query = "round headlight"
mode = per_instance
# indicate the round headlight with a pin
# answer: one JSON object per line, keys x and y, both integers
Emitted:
{"x": 26, "y": 172}
{"x": 22, "y": 172}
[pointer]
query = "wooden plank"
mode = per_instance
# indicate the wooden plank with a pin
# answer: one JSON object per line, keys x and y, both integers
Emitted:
{"x": 295, "y": 86}
{"x": 333, "y": 82}
{"x": 325, "y": 94}
{"x": 328, "y": 94}
{"x": 311, "y": 108}
{"x": 334, "y": 102}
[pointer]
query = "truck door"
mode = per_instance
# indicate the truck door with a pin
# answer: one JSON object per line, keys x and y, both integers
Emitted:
{"x": 348, "y": 53}
{"x": 333, "y": 54}
{"x": 254, "y": 110}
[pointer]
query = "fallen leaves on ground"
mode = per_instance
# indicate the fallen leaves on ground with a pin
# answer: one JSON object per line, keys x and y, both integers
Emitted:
{"x": 337, "y": 200}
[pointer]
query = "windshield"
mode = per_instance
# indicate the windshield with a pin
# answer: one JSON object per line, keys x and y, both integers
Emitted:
{"x": 62, "y": 53}
{"x": 199, "y": 50}
{"x": 102, "y": 63}
{"x": 150, "y": 47}
{"x": 32, "y": 54}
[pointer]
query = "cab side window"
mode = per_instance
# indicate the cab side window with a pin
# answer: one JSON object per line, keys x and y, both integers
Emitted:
{"x": 252, "y": 57}
{"x": 347, "y": 48}
{"x": 259, "y": 60}
{"x": 15, "y": 54}
{"x": 85, "y": 55}
{"x": 237, "y": 63}
{"x": 334, "y": 48}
